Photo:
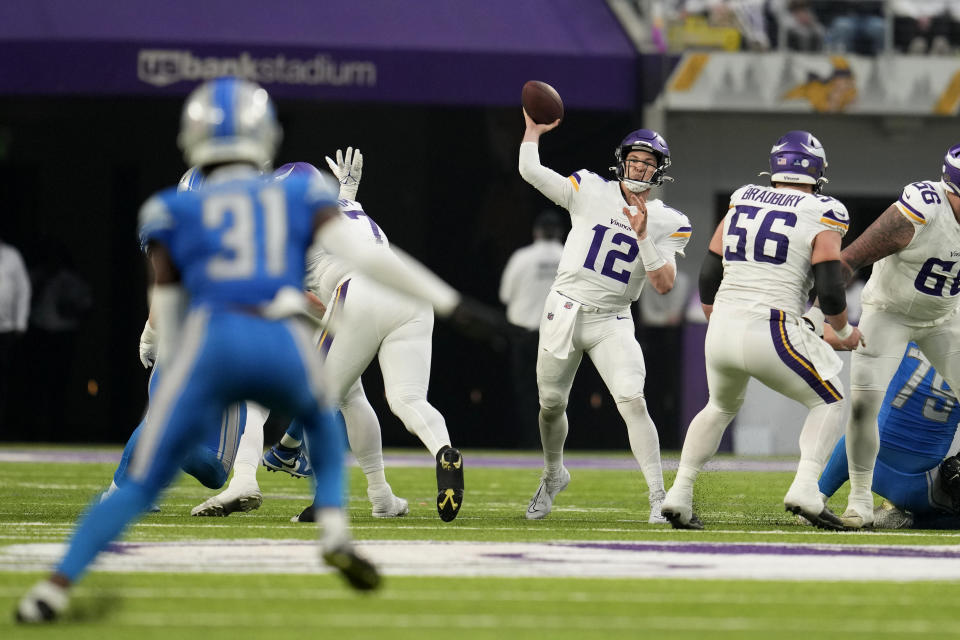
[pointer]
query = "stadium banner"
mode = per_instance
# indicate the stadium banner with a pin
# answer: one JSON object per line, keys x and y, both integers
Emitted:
{"x": 805, "y": 83}
{"x": 428, "y": 53}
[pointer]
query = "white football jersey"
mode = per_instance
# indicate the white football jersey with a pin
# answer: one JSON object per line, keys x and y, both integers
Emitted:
{"x": 600, "y": 265}
{"x": 325, "y": 271}
{"x": 922, "y": 280}
{"x": 767, "y": 244}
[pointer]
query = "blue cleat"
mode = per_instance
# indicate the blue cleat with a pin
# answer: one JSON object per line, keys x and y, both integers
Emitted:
{"x": 291, "y": 461}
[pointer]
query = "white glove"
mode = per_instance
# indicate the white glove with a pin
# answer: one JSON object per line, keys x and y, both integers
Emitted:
{"x": 347, "y": 168}
{"x": 814, "y": 320}
{"x": 148, "y": 346}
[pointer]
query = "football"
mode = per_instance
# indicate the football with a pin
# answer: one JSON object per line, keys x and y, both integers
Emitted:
{"x": 541, "y": 101}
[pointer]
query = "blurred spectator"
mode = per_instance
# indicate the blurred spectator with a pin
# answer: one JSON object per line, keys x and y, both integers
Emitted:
{"x": 14, "y": 311}
{"x": 61, "y": 300}
{"x": 748, "y": 17}
{"x": 854, "y": 26}
{"x": 524, "y": 286}
{"x": 921, "y": 26}
{"x": 797, "y": 25}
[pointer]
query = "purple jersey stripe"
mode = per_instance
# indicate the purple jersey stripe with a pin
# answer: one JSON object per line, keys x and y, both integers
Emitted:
{"x": 326, "y": 338}
{"x": 576, "y": 176}
{"x": 800, "y": 365}
{"x": 911, "y": 209}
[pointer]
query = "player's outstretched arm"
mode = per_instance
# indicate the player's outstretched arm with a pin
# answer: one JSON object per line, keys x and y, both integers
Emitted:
{"x": 348, "y": 167}
{"x": 545, "y": 180}
{"x": 405, "y": 274}
{"x": 711, "y": 272}
{"x": 168, "y": 303}
{"x": 888, "y": 234}
{"x": 831, "y": 291}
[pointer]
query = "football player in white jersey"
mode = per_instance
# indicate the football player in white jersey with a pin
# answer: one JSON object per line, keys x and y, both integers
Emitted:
{"x": 772, "y": 246}
{"x": 365, "y": 319}
{"x": 618, "y": 241}
{"x": 913, "y": 294}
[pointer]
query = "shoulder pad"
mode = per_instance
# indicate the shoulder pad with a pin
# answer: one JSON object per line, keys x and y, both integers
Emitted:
{"x": 919, "y": 201}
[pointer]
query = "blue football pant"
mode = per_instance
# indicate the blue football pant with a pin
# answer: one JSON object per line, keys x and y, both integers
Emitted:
{"x": 223, "y": 358}
{"x": 898, "y": 476}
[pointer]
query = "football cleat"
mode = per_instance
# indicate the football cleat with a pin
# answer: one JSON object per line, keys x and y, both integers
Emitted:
{"x": 306, "y": 515}
{"x": 950, "y": 479}
{"x": 449, "y": 483}
{"x": 853, "y": 518}
{"x": 810, "y": 506}
{"x": 387, "y": 505}
{"x": 226, "y": 502}
{"x": 43, "y": 603}
{"x": 889, "y": 516}
{"x": 292, "y": 461}
{"x": 656, "y": 502}
{"x": 542, "y": 501}
{"x": 679, "y": 512}
{"x": 357, "y": 570}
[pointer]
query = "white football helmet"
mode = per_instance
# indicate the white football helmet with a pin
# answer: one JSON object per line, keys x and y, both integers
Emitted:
{"x": 229, "y": 120}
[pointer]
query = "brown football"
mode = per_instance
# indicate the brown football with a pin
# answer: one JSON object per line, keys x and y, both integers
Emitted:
{"x": 541, "y": 101}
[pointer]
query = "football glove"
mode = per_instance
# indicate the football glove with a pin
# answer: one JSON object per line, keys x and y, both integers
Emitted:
{"x": 481, "y": 322}
{"x": 148, "y": 345}
{"x": 347, "y": 167}
{"x": 814, "y": 319}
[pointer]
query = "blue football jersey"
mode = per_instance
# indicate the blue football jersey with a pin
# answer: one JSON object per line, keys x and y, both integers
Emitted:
{"x": 237, "y": 242}
{"x": 920, "y": 413}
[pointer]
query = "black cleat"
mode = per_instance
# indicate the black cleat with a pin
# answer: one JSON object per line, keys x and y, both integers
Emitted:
{"x": 950, "y": 479}
{"x": 358, "y": 571}
{"x": 305, "y": 516}
{"x": 826, "y": 519}
{"x": 449, "y": 483}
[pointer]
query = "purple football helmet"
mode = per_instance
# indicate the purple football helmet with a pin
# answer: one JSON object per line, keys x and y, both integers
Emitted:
{"x": 951, "y": 169}
{"x": 302, "y": 169}
{"x": 798, "y": 158}
{"x": 642, "y": 140}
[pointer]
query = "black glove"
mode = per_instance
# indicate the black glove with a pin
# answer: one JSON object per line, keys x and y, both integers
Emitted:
{"x": 476, "y": 320}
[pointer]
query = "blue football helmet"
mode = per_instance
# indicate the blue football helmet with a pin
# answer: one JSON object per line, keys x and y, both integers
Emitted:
{"x": 229, "y": 120}
{"x": 951, "y": 169}
{"x": 192, "y": 180}
{"x": 642, "y": 140}
{"x": 798, "y": 158}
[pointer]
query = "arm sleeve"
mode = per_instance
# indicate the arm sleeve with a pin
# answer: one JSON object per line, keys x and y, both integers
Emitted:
{"x": 396, "y": 270}
{"x": 558, "y": 189}
{"x": 711, "y": 273}
{"x": 828, "y": 283}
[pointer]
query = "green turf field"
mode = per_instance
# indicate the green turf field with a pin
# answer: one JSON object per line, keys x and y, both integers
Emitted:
{"x": 40, "y": 502}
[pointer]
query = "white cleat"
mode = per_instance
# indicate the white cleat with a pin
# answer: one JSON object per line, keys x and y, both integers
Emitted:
{"x": 43, "y": 603}
{"x": 889, "y": 516}
{"x": 387, "y": 505}
{"x": 230, "y": 500}
{"x": 857, "y": 516}
{"x": 656, "y": 502}
{"x": 542, "y": 501}
{"x": 809, "y": 505}
{"x": 679, "y": 512}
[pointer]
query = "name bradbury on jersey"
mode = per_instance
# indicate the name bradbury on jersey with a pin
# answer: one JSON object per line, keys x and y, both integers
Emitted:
{"x": 771, "y": 197}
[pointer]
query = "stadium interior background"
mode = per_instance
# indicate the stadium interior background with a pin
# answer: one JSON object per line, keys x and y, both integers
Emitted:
{"x": 443, "y": 183}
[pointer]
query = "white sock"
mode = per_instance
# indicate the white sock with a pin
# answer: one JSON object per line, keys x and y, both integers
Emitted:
{"x": 553, "y": 433}
{"x": 363, "y": 432}
{"x": 644, "y": 441}
{"x": 250, "y": 449}
{"x": 700, "y": 444}
{"x": 333, "y": 528}
{"x": 863, "y": 439}
{"x": 820, "y": 433}
{"x": 289, "y": 442}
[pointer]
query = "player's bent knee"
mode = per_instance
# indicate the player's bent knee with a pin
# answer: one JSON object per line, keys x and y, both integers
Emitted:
{"x": 206, "y": 468}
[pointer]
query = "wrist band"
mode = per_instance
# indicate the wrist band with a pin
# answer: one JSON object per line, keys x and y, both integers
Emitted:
{"x": 650, "y": 255}
{"x": 844, "y": 333}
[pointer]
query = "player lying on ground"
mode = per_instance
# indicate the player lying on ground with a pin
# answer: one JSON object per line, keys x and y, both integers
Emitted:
{"x": 918, "y": 426}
